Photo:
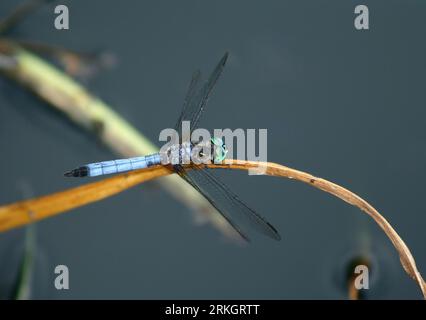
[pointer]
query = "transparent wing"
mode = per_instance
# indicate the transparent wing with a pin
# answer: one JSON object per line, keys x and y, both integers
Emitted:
{"x": 236, "y": 212}
{"x": 197, "y": 96}
{"x": 183, "y": 173}
{"x": 189, "y": 98}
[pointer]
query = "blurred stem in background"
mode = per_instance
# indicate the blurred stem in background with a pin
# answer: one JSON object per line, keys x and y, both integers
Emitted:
{"x": 361, "y": 253}
{"x": 23, "y": 286}
{"x": 353, "y": 292}
{"x": 20, "y": 13}
{"x": 89, "y": 112}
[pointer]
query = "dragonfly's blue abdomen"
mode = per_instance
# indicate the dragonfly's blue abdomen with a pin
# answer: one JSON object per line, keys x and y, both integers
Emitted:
{"x": 122, "y": 165}
{"x": 115, "y": 166}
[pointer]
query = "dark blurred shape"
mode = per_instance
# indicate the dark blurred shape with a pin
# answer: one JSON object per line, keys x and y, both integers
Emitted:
{"x": 351, "y": 275}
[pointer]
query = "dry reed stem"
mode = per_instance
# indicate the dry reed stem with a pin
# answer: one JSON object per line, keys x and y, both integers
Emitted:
{"x": 25, "y": 212}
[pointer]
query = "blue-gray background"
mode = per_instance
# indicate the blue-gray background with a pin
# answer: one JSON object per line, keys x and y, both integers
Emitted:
{"x": 342, "y": 104}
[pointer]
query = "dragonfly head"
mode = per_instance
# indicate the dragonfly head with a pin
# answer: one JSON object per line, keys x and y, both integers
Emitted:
{"x": 219, "y": 149}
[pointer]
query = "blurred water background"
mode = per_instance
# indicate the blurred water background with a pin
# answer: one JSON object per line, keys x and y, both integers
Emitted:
{"x": 342, "y": 104}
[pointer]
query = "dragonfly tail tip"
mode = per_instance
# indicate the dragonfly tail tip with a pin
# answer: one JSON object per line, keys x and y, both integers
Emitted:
{"x": 79, "y": 172}
{"x": 69, "y": 173}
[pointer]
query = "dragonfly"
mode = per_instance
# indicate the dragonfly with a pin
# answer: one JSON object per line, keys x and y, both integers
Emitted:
{"x": 237, "y": 213}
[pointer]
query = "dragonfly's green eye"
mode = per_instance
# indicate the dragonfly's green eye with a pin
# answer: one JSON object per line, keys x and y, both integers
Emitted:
{"x": 220, "y": 149}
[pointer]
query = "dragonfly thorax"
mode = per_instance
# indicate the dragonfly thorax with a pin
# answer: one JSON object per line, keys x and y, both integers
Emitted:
{"x": 212, "y": 151}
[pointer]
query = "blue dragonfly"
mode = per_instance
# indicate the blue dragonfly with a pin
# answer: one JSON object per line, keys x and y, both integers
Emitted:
{"x": 226, "y": 202}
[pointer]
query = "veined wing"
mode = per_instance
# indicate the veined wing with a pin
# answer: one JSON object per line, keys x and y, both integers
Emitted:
{"x": 226, "y": 202}
{"x": 198, "y": 95}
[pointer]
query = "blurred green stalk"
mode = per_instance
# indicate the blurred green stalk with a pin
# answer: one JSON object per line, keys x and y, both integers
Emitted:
{"x": 22, "y": 289}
